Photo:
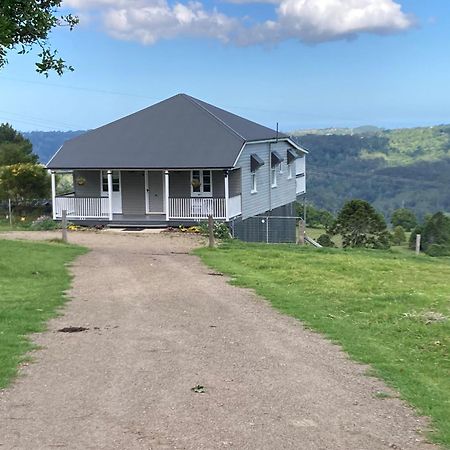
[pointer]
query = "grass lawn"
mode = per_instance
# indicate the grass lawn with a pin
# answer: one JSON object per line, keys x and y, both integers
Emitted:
{"x": 33, "y": 278}
{"x": 385, "y": 308}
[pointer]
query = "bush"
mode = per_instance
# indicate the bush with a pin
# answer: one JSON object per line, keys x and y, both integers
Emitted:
{"x": 325, "y": 241}
{"x": 221, "y": 230}
{"x": 398, "y": 236}
{"x": 405, "y": 218}
{"x": 44, "y": 223}
{"x": 438, "y": 250}
{"x": 436, "y": 231}
{"x": 315, "y": 217}
{"x": 360, "y": 225}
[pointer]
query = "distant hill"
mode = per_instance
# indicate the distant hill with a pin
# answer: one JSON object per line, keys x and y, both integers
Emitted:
{"x": 46, "y": 143}
{"x": 390, "y": 168}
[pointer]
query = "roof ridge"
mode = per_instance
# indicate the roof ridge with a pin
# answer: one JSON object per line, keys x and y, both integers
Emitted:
{"x": 194, "y": 100}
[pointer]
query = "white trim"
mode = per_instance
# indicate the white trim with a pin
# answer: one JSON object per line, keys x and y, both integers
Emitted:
{"x": 51, "y": 159}
{"x": 273, "y": 176}
{"x": 166, "y": 193}
{"x": 147, "y": 200}
{"x": 53, "y": 177}
{"x": 110, "y": 194}
{"x": 227, "y": 197}
{"x": 239, "y": 154}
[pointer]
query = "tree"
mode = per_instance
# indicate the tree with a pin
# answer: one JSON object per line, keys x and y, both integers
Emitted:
{"x": 436, "y": 235}
{"x": 24, "y": 181}
{"x": 316, "y": 217}
{"x": 405, "y": 218}
{"x": 398, "y": 236}
{"x": 360, "y": 225}
{"x": 14, "y": 148}
{"x": 25, "y": 24}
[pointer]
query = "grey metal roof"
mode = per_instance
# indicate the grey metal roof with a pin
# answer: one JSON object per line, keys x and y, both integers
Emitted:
{"x": 178, "y": 133}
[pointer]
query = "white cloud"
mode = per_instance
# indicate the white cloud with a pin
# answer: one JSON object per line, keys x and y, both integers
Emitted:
{"x": 310, "y": 21}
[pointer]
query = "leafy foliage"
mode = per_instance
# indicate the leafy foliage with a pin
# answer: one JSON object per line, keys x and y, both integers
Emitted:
{"x": 325, "y": 241}
{"x": 398, "y": 236}
{"x": 221, "y": 230}
{"x": 436, "y": 235}
{"x": 26, "y": 24}
{"x": 315, "y": 217}
{"x": 14, "y": 148}
{"x": 404, "y": 218}
{"x": 24, "y": 181}
{"x": 360, "y": 225}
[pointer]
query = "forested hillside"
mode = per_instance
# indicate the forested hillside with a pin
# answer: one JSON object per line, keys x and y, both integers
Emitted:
{"x": 389, "y": 168}
{"x": 46, "y": 143}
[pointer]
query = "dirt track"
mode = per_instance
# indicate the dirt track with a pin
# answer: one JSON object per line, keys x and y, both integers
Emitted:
{"x": 159, "y": 324}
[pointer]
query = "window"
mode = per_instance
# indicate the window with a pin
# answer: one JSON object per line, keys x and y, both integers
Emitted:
{"x": 273, "y": 173}
{"x": 280, "y": 168}
{"x": 290, "y": 167}
{"x": 201, "y": 183}
{"x": 115, "y": 181}
{"x": 253, "y": 181}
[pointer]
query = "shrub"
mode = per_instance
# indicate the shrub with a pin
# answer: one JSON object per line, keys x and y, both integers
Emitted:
{"x": 315, "y": 217}
{"x": 405, "y": 218}
{"x": 436, "y": 231}
{"x": 325, "y": 241}
{"x": 44, "y": 223}
{"x": 221, "y": 230}
{"x": 398, "y": 236}
{"x": 361, "y": 226}
{"x": 438, "y": 250}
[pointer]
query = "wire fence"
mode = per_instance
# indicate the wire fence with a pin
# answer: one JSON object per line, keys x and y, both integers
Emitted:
{"x": 268, "y": 229}
{"x": 24, "y": 211}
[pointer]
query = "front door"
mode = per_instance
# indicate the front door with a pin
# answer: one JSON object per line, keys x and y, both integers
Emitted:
{"x": 155, "y": 192}
{"x": 116, "y": 194}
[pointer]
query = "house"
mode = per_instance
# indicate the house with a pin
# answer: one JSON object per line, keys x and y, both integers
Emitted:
{"x": 175, "y": 162}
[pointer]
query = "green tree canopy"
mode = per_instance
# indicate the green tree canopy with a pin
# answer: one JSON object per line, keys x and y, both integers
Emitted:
{"x": 360, "y": 225}
{"x": 25, "y": 24}
{"x": 14, "y": 148}
{"x": 316, "y": 217}
{"x": 404, "y": 218}
{"x": 436, "y": 235}
{"x": 24, "y": 181}
{"x": 398, "y": 236}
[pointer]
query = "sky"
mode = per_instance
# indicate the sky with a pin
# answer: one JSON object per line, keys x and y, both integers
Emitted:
{"x": 301, "y": 63}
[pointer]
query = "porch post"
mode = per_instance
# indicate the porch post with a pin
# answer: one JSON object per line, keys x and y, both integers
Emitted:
{"x": 166, "y": 193}
{"x": 227, "y": 197}
{"x": 53, "y": 177}
{"x": 110, "y": 194}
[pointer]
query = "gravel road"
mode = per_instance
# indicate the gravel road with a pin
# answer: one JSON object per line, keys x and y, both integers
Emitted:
{"x": 160, "y": 323}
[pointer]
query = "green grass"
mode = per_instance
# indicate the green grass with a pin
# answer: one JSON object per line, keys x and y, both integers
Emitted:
{"x": 388, "y": 309}
{"x": 33, "y": 278}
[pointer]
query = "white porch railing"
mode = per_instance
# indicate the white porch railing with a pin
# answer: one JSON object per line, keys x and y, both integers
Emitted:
{"x": 82, "y": 207}
{"x": 196, "y": 208}
{"x": 234, "y": 206}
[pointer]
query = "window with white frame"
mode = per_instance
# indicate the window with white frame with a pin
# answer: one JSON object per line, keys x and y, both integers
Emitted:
{"x": 273, "y": 175}
{"x": 253, "y": 182}
{"x": 201, "y": 183}
{"x": 280, "y": 168}
{"x": 115, "y": 181}
{"x": 290, "y": 170}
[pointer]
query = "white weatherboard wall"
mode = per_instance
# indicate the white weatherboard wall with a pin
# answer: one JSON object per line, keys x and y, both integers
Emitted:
{"x": 266, "y": 197}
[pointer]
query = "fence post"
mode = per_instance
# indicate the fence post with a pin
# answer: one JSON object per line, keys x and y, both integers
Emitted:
{"x": 64, "y": 225}
{"x": 418, "y": 238}
{"x": 301, "y": 232}
{"x": 267, "y": 229}
{"x": 10, "y": 213}
{"x": 211, "y": 231}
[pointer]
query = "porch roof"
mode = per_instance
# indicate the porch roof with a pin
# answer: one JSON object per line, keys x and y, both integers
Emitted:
{"x": 178, "y": 133}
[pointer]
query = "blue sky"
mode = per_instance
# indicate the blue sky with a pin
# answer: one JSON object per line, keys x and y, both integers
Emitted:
{"x": 297, "y": 69}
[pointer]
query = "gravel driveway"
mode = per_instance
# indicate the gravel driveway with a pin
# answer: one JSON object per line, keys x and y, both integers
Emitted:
{"x": 160, "y": 323}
